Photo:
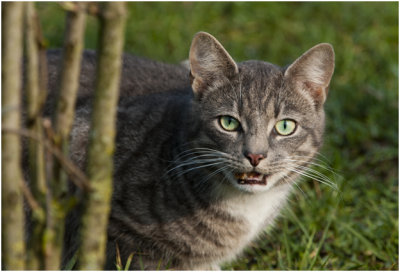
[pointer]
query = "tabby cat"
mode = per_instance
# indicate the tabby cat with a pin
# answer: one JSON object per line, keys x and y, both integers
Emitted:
{"x": 205, "y": 159}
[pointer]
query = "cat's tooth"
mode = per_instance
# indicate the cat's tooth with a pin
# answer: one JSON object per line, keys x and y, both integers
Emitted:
{"x": 241, "y": 175}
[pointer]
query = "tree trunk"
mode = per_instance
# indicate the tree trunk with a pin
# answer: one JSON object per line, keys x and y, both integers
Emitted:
{"x": 63, "y": 119}
{"x": 101, "y": 147}
{"x": 13, "y": 247}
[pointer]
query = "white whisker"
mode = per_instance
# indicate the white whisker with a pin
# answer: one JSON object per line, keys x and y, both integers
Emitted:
{"x": 314, "y": 176}
{"x": 327, "y": 168}
{"x": 197, "y": 167}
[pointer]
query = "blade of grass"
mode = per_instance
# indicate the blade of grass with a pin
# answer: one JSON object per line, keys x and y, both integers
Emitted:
{"x": 287, "y": 246}
{"x": 325, "y": 262}
{"x": 71, "y": 263}
{"x": 159, "y": 265}
{"x": 141, "y": 262}
{"x": 366, "y": 242}
{"x": 118, "y": 258}
{"x": 294, "y": 217}
{"x": 306, "y": 254}
{"x": 320, "y": 244}
{"x": 128, "y": 262}
{"x": 281, "y": 265}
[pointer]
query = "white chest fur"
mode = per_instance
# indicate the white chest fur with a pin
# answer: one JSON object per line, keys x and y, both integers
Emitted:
{"x": 256, "y": 210}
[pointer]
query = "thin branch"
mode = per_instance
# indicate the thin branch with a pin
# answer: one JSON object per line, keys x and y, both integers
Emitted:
{"x": 76, "y": 175}
{"x": 32, "y": 63}
{"x": 31, "y": 199}
{"x": 69, "y": 83}
{"x": 63, "y": 119}
{"x": 35, "y": 150}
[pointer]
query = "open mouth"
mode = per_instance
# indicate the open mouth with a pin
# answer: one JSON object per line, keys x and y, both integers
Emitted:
{"x": 252, "y": 178}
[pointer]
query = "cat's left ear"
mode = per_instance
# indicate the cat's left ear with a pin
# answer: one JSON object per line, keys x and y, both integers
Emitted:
{"x": 210, "y": 64}
{"x": 312, "y": 72}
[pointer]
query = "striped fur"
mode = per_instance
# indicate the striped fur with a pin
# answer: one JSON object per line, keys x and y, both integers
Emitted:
{"x": 176, "y": 201}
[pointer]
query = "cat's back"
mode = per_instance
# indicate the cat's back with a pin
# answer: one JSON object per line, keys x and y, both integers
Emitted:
{"x": 139, "y": 75}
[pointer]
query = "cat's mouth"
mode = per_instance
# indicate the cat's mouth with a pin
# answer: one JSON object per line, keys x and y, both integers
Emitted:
{"x": 252, "y": 178}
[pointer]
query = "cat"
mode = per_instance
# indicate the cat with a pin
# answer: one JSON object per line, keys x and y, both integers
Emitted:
{"x": 205, "y": 157}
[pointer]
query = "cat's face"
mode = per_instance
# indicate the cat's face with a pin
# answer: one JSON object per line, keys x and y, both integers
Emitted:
{"x": 260, "y": 124}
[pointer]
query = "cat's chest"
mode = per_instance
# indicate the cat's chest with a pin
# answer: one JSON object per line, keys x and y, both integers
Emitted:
{"x": 257, "y": 210}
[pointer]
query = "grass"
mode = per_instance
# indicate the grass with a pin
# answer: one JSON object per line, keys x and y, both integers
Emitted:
{"x": 356, "y": 226}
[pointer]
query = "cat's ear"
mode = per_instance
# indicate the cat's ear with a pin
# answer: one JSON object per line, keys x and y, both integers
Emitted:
{"x": 210, "y": 64}
{"x": 313, "y": 71}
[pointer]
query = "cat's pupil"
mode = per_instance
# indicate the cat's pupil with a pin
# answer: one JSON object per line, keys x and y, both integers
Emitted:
{"x": 229, "y": 123}
{"x": 284, "y": 125}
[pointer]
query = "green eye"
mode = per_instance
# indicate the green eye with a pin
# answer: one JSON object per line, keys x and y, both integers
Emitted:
{"x": 285, "y": 127}
{"x": 229, "y": 123}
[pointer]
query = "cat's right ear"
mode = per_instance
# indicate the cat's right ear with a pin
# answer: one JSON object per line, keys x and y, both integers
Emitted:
{"x": 210, "y": 64}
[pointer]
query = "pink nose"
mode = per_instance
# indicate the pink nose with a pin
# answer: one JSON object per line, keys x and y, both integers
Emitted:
{"x": 254, "y": 158}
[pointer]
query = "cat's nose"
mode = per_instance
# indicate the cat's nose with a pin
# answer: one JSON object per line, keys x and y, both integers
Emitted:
{"x": 254, "y": 158}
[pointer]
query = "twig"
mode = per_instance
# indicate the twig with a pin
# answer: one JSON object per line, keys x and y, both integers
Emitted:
{"x": 30, "y": 198}
{"x": 42, "y": 45}
{"x": 77, "y": 176}
{"x": 49, "y": 130}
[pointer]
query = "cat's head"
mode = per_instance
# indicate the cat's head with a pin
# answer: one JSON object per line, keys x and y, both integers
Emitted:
{"x": 260, "y": 124}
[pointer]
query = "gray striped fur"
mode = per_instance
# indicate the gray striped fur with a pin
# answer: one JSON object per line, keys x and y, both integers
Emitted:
{"x": 176, "y": 201}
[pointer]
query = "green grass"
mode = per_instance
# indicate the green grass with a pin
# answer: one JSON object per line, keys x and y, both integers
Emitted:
{"x": 355, "y": 227}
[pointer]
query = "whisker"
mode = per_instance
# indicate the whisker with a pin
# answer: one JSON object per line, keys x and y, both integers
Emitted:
{"x": 322, "y": 159}
{"x": 197, "y": 167}
{"x": 313, "y": 171}
{"x": 327, "y": 168}
{"x": 201, "y": 151}
{"x": 292, "y": 181}
{"x": 195, "y": 157}
{"x": 212, "y": 174}
{"x": 314, "y": 176}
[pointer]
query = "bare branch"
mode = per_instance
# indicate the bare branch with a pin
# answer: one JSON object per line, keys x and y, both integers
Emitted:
{"x": 64, "y": 116}
{"x": 72, "y": 52}
{"x": 36, "y": 208}
{"x": 13, "y": 246}
{"x": 101, "y": 145}
{"x": 35, "y": 150}
{"x": 76, "y": 175}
